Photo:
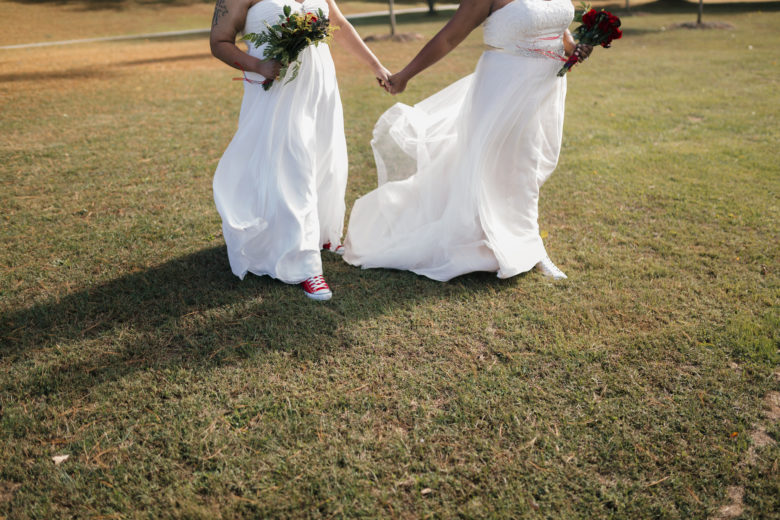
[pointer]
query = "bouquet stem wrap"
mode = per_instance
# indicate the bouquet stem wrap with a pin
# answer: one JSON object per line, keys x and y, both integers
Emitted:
{"x": 596, "y": 28}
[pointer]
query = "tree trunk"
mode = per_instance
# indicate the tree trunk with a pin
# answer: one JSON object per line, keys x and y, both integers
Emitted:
{"x": 701, "y": 11}
{"x": 392, "y": 17}
{"x": 431, "y": 8}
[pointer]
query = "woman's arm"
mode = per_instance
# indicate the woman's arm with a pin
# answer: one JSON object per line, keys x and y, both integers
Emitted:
{"x": 229, "y": 19}
{"x": 469, "y": 15}
{"x": 347, "y": 35}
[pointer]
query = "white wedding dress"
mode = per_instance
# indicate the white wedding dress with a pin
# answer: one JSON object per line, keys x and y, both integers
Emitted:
{"x": 460, "y": 172}
{"x": 280, "y": 184}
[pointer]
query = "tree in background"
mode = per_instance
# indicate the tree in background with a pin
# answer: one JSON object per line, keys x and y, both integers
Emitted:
{"x": 393, "y": 33}
{"x": 391, "y": 6}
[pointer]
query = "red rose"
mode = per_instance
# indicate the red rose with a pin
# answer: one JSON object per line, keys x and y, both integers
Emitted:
{"x": 313, "y": 19}
{"x": 589, "y": 18}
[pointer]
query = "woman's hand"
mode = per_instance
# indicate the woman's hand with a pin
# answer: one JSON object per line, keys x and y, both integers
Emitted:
{"x": 582, "y": 51}
{"x": 570, "y": 47}
{"x": 397, "y": 83}
{"x": 470, "y": 14}
{"x": 269, "y": 69}
{"x": 348, "y": 36}
{"x": 382, "y": 76}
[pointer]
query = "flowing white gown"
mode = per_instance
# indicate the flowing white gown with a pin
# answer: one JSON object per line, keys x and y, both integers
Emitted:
{"x": 460, "y": 172}
{"x": 280, "y": 184}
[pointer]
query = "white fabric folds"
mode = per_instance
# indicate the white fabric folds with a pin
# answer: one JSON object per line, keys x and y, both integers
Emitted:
{"x": 460, "y": 172}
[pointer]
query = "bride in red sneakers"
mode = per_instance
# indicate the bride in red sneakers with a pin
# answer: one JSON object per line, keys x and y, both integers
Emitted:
{"x": 280, "y": 184}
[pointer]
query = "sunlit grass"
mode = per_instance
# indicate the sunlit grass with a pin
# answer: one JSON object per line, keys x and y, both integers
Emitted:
{"x": 634, "y": 389}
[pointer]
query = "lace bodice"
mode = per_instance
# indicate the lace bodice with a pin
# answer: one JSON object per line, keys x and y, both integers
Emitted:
{"x": 268, "y": 11}
{"x": 527, "y": 26}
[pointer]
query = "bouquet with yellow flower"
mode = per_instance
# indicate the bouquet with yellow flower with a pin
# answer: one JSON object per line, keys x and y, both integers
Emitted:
{"x": 286, "y": 39}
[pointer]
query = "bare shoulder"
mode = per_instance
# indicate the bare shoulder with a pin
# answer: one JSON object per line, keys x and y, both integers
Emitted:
{"x": 473, "y": 12}
{"x": 231, "y": 13}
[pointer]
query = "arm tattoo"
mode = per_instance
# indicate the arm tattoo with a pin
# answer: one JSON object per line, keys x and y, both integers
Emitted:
{"x": 220, "y": 10}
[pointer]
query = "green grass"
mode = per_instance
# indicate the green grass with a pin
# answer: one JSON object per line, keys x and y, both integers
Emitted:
{"x": 631, "y": 390}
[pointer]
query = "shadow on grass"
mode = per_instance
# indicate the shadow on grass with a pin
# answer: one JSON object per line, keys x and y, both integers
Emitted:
{"x": 121, "y": 5}
{"x": 70, "y": 74}
{"x": 96, "y": 71}
{"x": 192, "y": 311}
{"x": 686, "y": 7}
{"x": 658, "y": 7}
{"x": 402, "y": 19}
{"x": 104, "y": 5}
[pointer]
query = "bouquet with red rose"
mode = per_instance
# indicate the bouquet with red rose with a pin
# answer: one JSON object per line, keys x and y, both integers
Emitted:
{"x": 289, "y": 37}
{"x": 597, "y": 28}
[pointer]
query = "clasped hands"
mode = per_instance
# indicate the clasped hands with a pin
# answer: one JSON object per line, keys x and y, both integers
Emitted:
{"x": 392, "y": 83}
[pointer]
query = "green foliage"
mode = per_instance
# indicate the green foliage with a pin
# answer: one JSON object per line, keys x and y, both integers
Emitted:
{"x": 285, "y": 40}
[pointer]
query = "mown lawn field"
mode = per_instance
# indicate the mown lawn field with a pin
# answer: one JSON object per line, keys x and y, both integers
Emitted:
{"x": 644, "y": 386}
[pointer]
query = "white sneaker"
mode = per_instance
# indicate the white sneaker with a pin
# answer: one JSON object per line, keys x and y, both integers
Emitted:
{"x": 317, "y": 288}
{"x": 549, "y": 269}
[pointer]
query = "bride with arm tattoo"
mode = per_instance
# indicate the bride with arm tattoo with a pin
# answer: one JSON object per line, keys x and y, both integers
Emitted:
{"x": 279, "y": 186}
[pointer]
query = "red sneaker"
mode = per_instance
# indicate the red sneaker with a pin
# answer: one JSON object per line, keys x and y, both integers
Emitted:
{"x": 339, "y": 249}
{"x": 317, "y": 288}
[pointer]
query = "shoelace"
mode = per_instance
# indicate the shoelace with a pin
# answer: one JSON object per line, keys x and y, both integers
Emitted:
{"x": 339, "y": 249}
{"x": 315, "y": 283}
